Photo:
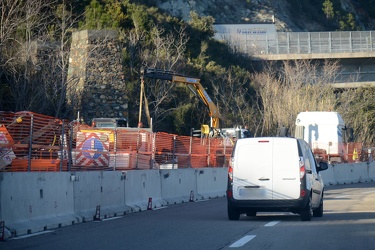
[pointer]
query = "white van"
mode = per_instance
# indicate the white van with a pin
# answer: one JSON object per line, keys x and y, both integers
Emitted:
{"x": 276, "y": 174}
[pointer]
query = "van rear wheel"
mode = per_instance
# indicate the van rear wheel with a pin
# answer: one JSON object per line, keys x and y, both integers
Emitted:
{"x": 306, "y": 213}
{"x": 233, "y": 213}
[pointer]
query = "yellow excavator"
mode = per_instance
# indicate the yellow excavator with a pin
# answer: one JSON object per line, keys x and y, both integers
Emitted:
{"x": 193, "y": 84}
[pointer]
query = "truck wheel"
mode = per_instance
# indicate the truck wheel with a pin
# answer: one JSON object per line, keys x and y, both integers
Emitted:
{"x": 319, "y": 211}
{"x": 306, "y": 213}
{"x": 233, "y": 213}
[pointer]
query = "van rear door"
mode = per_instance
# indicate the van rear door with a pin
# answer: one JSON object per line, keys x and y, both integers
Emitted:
{"x": 252, "y": 169}
{"x": 286, "y": 169}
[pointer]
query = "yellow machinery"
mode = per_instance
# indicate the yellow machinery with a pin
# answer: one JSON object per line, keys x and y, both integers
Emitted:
{"x": 194, "y": 85}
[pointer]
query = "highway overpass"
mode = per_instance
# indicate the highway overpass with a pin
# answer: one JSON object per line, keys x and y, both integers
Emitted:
{"x": 355, "y": 50}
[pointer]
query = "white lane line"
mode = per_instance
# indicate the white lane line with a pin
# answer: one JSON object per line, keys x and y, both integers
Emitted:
{"x": 113, "y": 218}
{"x": 342, "y": 196}
{"x": 31, "y": 235}
{"x": 158, "y": 208}
{"x": 272, "y": 223}
{"x": 243, "y": 241}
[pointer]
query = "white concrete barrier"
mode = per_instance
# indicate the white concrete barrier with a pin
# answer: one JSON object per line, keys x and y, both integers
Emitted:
{"x": 36, "y": 201}
{"x": 351, "y": 173}
{"x": 371, "y": 171}
{"x": 328, "y": 176}
{"x": 86, "y": 193}
{"x": 361, "y": 172}
{"x": 140, "y": 185}
{"x": 178, "y": 184}
{"x": 212, "y": 182}
{"x": 105, "y": 189}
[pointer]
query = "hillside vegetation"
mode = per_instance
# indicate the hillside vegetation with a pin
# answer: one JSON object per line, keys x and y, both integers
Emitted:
{"x": 265, "y": 99}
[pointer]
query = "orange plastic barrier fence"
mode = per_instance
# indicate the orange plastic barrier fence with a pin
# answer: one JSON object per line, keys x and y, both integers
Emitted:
{"x": 34, "y": 142}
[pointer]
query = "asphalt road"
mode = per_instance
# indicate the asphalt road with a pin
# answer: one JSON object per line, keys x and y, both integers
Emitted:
{"x": 348, "y": 223}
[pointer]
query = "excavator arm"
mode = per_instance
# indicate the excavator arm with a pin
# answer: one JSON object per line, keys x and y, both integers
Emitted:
{"x": 193, "y": 84}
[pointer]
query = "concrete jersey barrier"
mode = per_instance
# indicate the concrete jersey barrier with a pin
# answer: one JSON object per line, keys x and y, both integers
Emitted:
{"x": 39, "y": 201}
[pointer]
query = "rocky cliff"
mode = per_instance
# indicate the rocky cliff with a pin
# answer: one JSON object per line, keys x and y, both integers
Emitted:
{"x": 288, "y": 16}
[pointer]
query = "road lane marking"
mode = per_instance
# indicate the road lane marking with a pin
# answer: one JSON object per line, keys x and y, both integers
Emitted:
{"x": 342, "y": 196}
{"x": 243, "y": 241}
{"x": 272, "y": 223}
{"x": 112, "y": 218}
{"x": 31, "y": 235}
{"x": 369, "y": 192}
{"x": 158, "y": 208}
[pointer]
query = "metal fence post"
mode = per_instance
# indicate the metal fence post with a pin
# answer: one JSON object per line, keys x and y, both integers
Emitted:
{"x": 30, "y": 143}
{"x": 190, "y": 146}
{"x": 114, "y": 151}
{"x": 136, "y": 157}
{"x": 174, "y": 150}
{"x": 70, "y": 158}
{"x": 62, "y": 146}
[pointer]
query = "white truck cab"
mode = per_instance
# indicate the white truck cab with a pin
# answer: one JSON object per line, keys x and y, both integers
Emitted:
{"x": 275, "y": 174}
{"x": 323, "y": 131}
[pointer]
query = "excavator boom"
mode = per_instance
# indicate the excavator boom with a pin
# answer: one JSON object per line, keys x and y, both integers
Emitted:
{"x": 194, "y": 85}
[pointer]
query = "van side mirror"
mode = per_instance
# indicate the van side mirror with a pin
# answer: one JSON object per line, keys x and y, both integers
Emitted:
{"x": 322, "y": 166}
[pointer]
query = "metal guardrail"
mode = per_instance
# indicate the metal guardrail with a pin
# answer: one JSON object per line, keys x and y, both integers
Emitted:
{"x": 306, "y": 43}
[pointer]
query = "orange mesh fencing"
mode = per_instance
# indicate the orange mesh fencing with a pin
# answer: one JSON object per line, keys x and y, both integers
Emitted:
{"x": 38, "y": 142}
{"x": 34, "y": 142}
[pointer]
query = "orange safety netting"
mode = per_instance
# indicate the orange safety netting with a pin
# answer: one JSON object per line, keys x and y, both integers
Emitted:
{"x": 34, "y": 142}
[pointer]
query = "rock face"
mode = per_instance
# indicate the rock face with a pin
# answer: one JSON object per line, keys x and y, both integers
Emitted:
{"x": 95, "y": 76}
{"x": 260, "y": 11}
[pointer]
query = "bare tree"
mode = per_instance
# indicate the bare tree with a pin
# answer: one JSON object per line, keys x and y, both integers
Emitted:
{"x": 297, "y": 86}
{"x": 231, "y": 89}
{"x": 166, "y": 53}
{"x": 22, "y": 26}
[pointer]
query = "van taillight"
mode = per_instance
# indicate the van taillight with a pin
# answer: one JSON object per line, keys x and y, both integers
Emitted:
{"x": 230, "y": 173}
{"x": 302, "y": 171}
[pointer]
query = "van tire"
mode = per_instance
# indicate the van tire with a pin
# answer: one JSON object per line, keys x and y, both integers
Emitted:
{"x": 233, "y": 213}
{"x": 306, "y": 213}
{"x": 319, "y": 211}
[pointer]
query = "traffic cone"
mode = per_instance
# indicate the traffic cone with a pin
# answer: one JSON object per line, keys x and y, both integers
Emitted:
{"x": 149, "y": 207}
{"x": 191, "y": 196}
{"x": 97, "y": 213}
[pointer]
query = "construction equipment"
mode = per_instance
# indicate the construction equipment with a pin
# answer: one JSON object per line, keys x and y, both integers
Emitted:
{"x": 193, "y": 84}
